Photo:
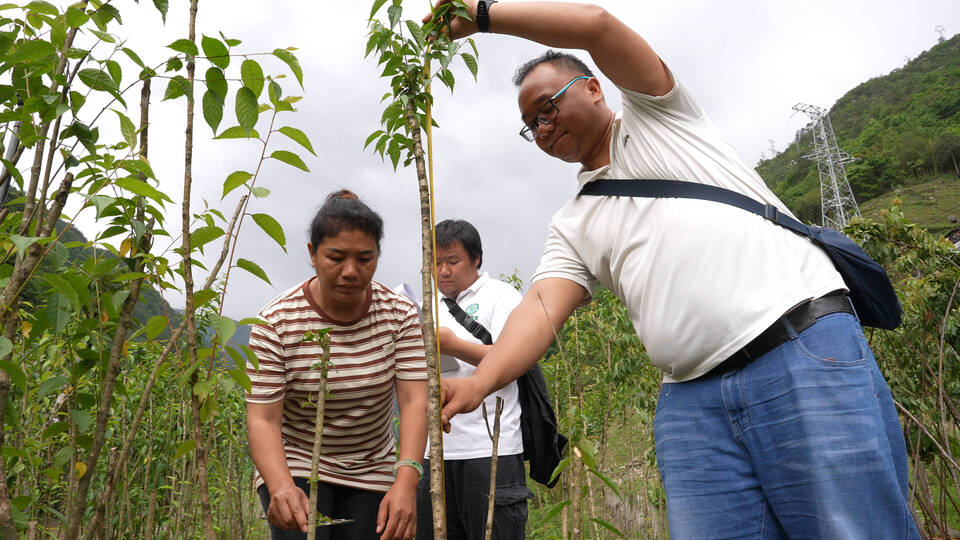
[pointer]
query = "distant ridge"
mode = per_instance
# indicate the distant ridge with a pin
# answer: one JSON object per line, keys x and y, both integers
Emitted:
{"x": 903, "y": 128}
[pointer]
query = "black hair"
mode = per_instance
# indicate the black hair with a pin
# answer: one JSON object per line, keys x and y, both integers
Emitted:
{"x": 344, "y": 211}
{"x": 451, "y": 230}
{"x": 555, "y": 58}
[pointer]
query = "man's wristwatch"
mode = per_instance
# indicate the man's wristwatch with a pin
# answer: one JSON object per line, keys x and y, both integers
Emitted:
{"x": 483, "y": 14}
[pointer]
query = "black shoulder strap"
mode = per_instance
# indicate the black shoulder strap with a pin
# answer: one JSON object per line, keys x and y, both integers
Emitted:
{"x": 691, "y": 190}
{"x": 465, "y": 321}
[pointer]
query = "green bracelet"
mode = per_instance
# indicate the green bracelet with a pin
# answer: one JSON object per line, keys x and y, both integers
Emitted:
{"x": 408, "y": 463}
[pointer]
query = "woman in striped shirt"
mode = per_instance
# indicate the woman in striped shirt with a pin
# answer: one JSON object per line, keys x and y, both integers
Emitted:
{"x": 376, "y": 359}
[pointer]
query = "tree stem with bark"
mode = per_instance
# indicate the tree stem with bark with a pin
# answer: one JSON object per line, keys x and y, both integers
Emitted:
{"x": 318, "y": 437}
{"x": 495, "y": 438}
{"x": 435, "y": 426}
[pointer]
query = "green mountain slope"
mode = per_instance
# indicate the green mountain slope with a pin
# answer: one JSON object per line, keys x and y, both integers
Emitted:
{"x": 903, "y": 129}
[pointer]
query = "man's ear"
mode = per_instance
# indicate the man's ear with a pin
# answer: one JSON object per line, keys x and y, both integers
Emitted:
{"x": 594, "y": 89}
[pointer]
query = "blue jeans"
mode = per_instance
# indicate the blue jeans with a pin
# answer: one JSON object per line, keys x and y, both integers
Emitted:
{"x": 803, "y": 442}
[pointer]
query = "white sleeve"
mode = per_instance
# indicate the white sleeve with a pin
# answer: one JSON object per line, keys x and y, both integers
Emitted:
{"x": 561, "y": 260}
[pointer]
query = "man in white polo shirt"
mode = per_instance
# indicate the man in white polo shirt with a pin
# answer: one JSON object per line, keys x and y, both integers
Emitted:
{"x": 467, "y": 449}
{"x": 774, "y": 420}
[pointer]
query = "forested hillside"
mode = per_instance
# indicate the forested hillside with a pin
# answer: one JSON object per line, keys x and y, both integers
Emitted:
{"x": 903, "y": 128}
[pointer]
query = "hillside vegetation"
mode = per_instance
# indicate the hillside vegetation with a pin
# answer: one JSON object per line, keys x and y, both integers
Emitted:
{"x": 903, "y": 129}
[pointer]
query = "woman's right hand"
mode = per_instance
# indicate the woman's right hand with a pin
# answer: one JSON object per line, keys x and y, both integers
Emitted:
{"x": 289, "y": 508}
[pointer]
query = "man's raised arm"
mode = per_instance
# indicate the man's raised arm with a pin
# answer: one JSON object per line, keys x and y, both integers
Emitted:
{"x": 529, "y": 331}
{"x": 620, "y": 53}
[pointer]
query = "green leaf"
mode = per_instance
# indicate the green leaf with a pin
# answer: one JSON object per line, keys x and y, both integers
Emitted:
{"x": 6, "y": 347}
{"x": 133, "y": 57}
{"x": 216, "y": 82}
{"x": 292, "y": 62}
{"x": 252, "y": 76}
{"x": 30, "y": 51}
{"x": 290, "y": 159}
{"x": 203, "y": 296}
{"x": 371, "y": 138}
{"x": 75, "y": 17}
{"x": 62, "y": 286}
{"x": 128, "y": 130}
{"x": 272, "y": 228}
{"x": 606, "y": 481}
{"x": 260, "y": 192}
{"x": 204, "y": 235}
{"x": 178, "y": 86}
{"x": 155, "y": 326}
{"x": 247, "y": 108}
{"x": 471, "y": 63}
{"x": 551, "y": 512}
{"x": 23, "y": 242}
{"x": 251, "y": 320}
{"x": 559, "y": 468}
{"x": 105, "y": 37}
{"x": 251, "y": 267}
{"x": 144, "y": 189}
{"x": 184, "y": 448}
{"x": 215, "y": 51}
{"x": 609, "y": 526}
{"x": 240, "y": 376}
{"x": 377, "y": 4}
{"x": 393, "y": 13}
{"x": 82, "y": 419}
{"x": 212, "y": 109}
{"x": 251, "y": 357}
{"x": 235, "y": 180}
{"x": 162, "y": 6}
{"x": 185, "y": 46}
{"x": 237, "y": 132}
{"x": 51, "y": 385}
{"x": 298, "y": 136}
{"x": 225, "y": 327}
{"x": 97, "y": 80}
{"x": 17, "y": 376}
{"x": 415, "y": 31}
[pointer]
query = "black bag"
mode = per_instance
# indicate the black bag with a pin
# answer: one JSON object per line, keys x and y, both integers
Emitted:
{"x": 542, "y": 443}
{"x": 872, "y": 294}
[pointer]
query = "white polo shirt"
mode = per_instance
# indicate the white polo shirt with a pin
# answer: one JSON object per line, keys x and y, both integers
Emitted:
{"x": 489, "y": 302}
{"x": 700, "y": 279}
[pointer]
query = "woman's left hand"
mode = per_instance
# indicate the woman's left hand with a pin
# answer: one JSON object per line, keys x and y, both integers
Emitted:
{"x": 397, "y": 519}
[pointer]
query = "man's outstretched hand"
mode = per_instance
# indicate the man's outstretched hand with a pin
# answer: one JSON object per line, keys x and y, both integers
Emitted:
{"x": 460, "y": 396}
{"x": 459, "y": 27}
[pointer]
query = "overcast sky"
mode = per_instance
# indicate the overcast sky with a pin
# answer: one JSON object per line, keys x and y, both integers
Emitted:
{"x": 748, "y": 62}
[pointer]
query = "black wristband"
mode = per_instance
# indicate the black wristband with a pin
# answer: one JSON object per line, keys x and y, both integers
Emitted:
{"x": 483, "y": 14}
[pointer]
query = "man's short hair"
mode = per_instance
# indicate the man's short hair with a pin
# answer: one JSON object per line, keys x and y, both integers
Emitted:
{"x": 451, "y": 230}
{"x": 557, "y": 59}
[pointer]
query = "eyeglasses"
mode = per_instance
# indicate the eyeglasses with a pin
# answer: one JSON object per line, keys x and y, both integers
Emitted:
{"x": 546, "y": 115}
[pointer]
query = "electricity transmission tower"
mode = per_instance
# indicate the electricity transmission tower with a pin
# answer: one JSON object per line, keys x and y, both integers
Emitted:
{"x": 940, "y": 30}
{"x": 837, "y": 204}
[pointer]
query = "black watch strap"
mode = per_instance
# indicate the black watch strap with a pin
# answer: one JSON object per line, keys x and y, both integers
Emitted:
{"x": 483, "y": 14}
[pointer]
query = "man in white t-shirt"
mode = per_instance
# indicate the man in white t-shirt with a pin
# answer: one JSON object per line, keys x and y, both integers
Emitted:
{"x": 774, "y": 420}
{"x": 467, "y": 448}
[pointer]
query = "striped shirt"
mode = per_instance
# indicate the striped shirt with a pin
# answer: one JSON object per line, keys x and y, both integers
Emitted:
{"x": 367, "y": 357}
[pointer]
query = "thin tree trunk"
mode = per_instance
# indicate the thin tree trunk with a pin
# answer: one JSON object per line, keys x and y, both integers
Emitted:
{"x": 495, "y": 438}
{"x": 435, "y": 426}
{"x": 318, "y": 438}
{"x": 576, "y": 518}
{"x": 106, "y": 398}
{"x": 200, "y": 452}
{"x": 147, "y": 532}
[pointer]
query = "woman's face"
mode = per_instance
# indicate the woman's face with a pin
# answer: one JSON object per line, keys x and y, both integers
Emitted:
{"x": 345, "y": 264}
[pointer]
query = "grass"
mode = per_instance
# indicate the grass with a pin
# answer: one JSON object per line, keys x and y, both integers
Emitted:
{"x": 930, "y": 203}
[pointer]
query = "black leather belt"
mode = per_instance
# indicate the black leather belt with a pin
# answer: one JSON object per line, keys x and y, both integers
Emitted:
{"x": 800, "y": 318}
